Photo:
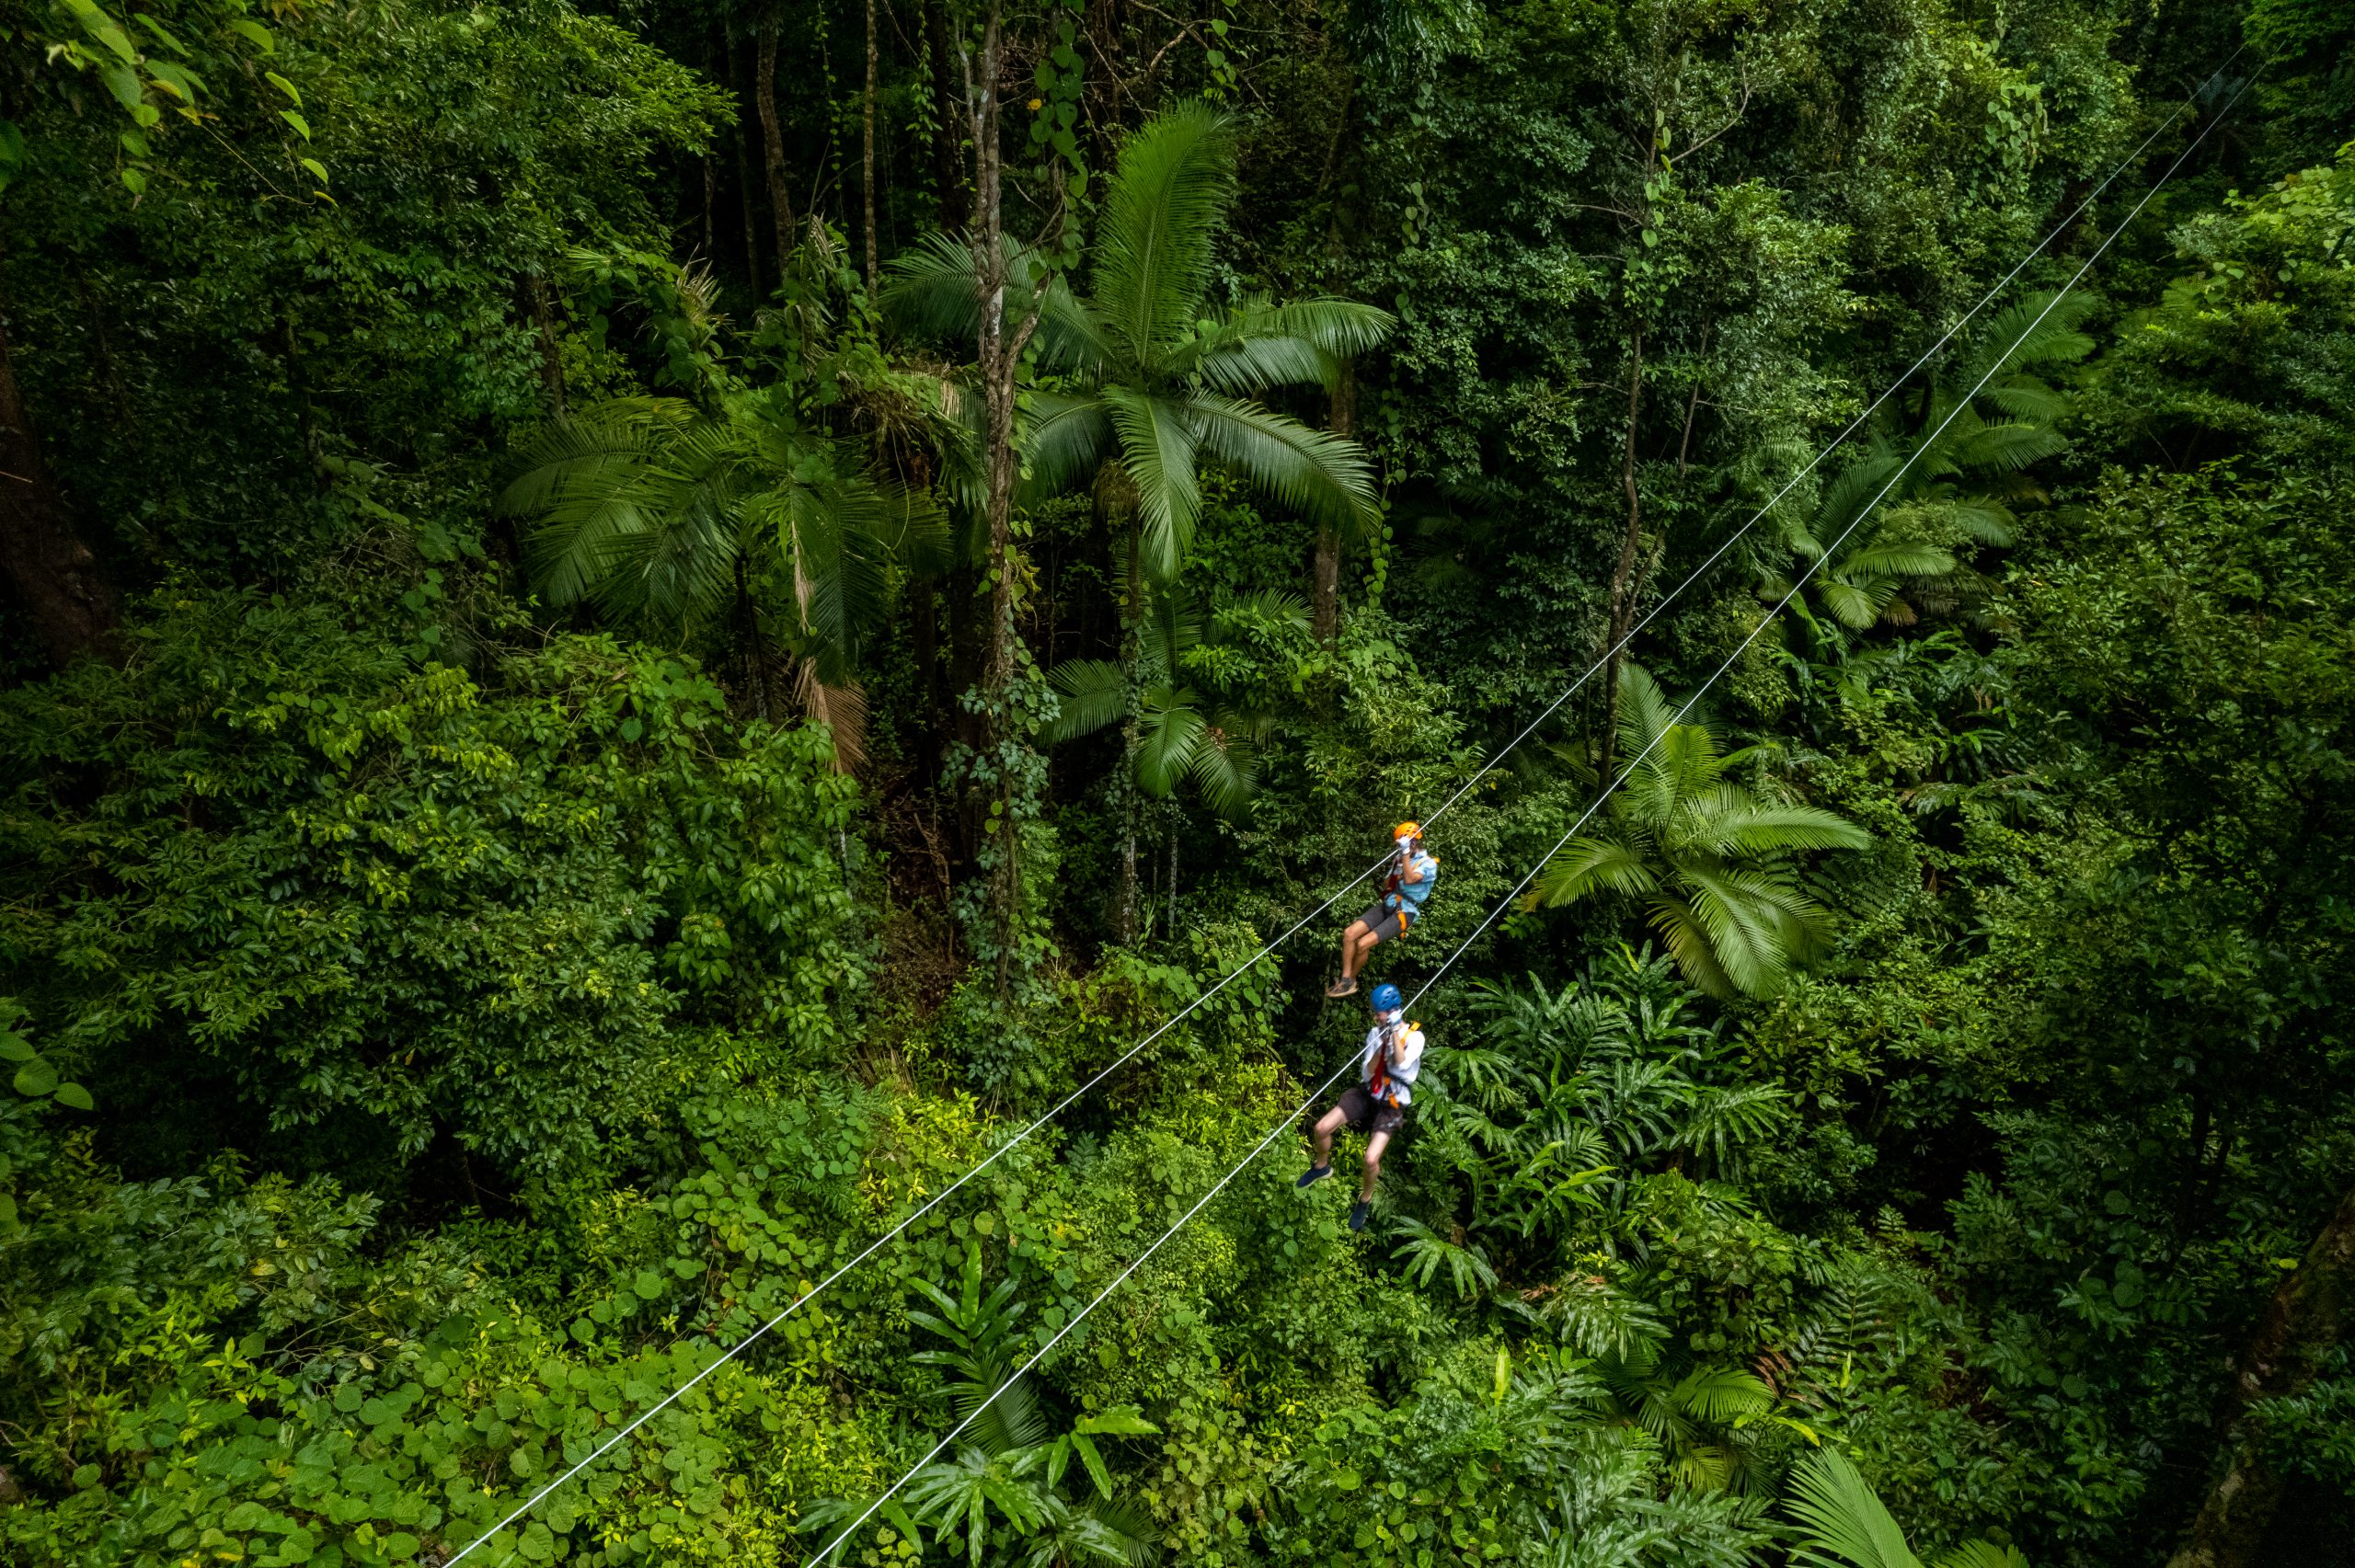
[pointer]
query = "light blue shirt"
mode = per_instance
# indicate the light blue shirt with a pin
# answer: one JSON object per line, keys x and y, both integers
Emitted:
{"x": 1409, "y": 896}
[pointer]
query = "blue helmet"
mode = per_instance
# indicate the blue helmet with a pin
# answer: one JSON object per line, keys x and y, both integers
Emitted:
{"x": 1386, "y": 998}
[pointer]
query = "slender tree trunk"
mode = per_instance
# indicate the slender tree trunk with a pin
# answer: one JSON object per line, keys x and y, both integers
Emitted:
{"x": 2311, "y": 1311}
{"x": 65, "y": 593}
{"x": 1125, "y": 917}
{"x": 773, "y": 143}
{"x": 1622, "y": 580}
{"x": 949, "y": 174}
{"x": 867, "y": 148}
{"x": 998, "y": 351}
{"x": 535, "y": 288}
{"x": 749, "y": 650}
{"x": 1324, "y": 582}
{"x": 747, "y": 188}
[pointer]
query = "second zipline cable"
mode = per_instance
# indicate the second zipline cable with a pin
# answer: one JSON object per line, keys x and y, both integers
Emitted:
{"x": 1489, "y": 766}
{"x": 1321, "y": 1090}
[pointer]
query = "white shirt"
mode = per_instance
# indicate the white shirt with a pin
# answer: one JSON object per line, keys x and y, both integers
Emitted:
{"x": 1406, "y": 1058}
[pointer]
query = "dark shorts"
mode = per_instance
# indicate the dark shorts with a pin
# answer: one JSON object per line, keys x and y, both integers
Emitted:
{"x": 1366, "y": 1113}
{"x": 1385, "y": 924}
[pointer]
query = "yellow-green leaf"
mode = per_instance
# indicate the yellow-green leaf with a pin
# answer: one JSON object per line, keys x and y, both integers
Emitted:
{"x": 302, "y": 127}
{"x": 283, "y": 85}
{"x": 316, "y": 168}
{"x": 256, "y": 34}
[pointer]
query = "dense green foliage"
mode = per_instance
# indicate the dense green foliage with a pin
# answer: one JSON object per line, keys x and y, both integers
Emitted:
{"x": 600, "y": 701}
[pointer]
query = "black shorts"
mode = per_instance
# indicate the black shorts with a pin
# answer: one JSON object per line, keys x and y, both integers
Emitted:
{"x": 1363, "y": 1113}
{"x": 1387, "y": 925}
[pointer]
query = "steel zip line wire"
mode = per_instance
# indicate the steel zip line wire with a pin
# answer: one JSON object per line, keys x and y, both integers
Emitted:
{"x": 1252, "y": 962}
{"x": 1767, "y": 620}
{"x": 1854, "y": 425}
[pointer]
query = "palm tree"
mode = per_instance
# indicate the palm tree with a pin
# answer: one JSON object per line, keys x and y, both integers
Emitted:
{"x": 1843, "y": 1524}
{"x": 1151, "y": 378}
{"x": 675, "y": 522}
{"x": 1708, "y": 860}
{"x": 1962, "y": 480}
{"x": 1155, "y": 377}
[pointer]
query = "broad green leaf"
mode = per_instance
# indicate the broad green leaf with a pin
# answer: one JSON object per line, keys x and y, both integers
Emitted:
{"x": 73, "y": 1094}
{"x": 36, "y": 1078}
{"x": 103, "y": 28}
{"x": 163, "y": 35}
{"x": 317, "y": 168}
{"x": 256, "y": 34}
{"x": 283, "y": 85}
{"x": 301, "y": 126}
{"x": 124, "y": 83}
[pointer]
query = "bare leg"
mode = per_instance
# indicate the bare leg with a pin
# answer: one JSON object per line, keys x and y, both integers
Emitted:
{"x": 1327, "y": 1125}
{"x": 1374, "y": 1148}
{"x": 1352, "y": 954}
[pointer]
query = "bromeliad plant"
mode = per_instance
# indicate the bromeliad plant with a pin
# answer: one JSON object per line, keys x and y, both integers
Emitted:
{"x": 1712, "y": 864}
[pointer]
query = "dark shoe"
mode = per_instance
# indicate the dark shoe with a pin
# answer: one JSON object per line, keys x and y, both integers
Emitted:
{"x": 1345, "y": 986}
{"x": 1359, "y": 1214}
{"x": 1313, "y": 1176}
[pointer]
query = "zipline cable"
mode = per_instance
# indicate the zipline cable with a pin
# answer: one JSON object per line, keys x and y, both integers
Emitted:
{"x": 1293, "y": 1118}
{"x": 1854, "y": 425}
{"x": 887, "y": 1237}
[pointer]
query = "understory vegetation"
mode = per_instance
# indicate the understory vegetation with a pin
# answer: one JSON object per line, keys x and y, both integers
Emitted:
{"x": 635, "y": 635}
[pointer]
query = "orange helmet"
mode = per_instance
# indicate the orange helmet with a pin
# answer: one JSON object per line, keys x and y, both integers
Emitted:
{"x": 1407, "y": 830}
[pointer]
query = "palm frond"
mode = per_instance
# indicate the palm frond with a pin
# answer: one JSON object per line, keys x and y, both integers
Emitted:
{"x": 1093, "y": 694}
{"x": 1173, "y": 726}
{"x": 2016, "y": 337}
{"x": 1748, "y": 829}
{"x": 1157, "y": 442}
{"x": 1062, "y": 438}
{"x": 841, "y": 708}
{"x": 1325, "y": 477}
{"x": 1589, "y": 865}
{"x": 1170, "y": 189}
{"x": 2006, "y": 445}
{"x": 1844, "y": 1519}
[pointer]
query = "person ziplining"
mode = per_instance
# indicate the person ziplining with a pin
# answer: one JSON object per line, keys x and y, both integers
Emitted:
{"x": 1376, "y": 1103}
{"x": 1413, "y": 872}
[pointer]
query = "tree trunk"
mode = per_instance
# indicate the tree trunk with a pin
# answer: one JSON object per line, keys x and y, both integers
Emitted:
{"x": 2310, "y": 1310}
{"x": 1125, "y": 917}
{"x": 1622, "y": 580}
{"x": 749, "y": 650}
{"x": 747, "y": 188}
{"x": 544, "y": 322}
{"x": 867, "y": 148}
{"x": 773, "y": 143}
{"x": 949, "y": 174}
{"x": 1324, "y": 582}
{"x": 998, "y": 353}
{"x": 63, "y": 590}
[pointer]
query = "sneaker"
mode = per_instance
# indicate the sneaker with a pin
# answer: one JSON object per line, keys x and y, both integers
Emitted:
{"x": 1359, "y": 1214}
{"x": 1345, "y": 986}
{"x": 1313, "y": 1176}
